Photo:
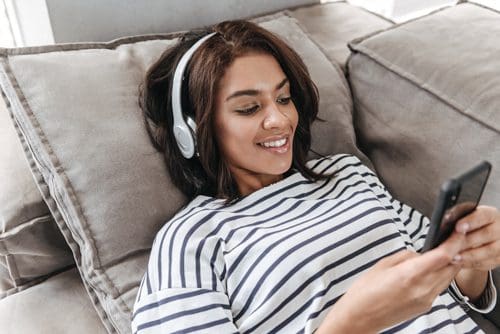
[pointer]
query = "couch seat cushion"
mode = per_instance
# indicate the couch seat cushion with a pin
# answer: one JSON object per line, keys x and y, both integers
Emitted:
{"x": 59, "y": 305}
{"x": 31, "y": 245}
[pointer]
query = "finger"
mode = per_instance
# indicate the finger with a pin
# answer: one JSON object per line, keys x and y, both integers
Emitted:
{"x": 482, "y": 236}
{"x": 394, "y": 259}
{"x": 485, "y": 257}
{"x": 455, "y": 243}
{"x": 433, "y": 283}
{"x": 444, "y": 277}
{"x": 481, "y": 216}
{"x": 440, "y": 256}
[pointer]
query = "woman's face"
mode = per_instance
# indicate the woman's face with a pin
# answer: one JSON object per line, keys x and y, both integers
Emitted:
{"x": 255, "y": 121}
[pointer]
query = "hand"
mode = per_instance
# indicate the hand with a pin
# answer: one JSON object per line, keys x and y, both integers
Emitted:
{"x": 482, "y": 241}
{"x": 397, "y": 288}
{"x": 482, "y": 250}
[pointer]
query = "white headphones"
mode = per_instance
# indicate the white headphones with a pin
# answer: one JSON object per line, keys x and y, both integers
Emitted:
{"x": 184, "y": 130}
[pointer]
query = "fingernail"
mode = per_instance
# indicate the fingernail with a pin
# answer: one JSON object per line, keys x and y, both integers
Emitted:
{"x": 456, "y": 259}
{"x": 463, "y": 228}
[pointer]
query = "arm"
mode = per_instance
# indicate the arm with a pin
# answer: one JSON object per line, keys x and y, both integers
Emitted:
{"x": 472, "y": 283}
{"x": 182, "y": 310}
{"x": 171, "y": 299}
{"x": 407, "y": 285}
{"x": 482, "y": 248}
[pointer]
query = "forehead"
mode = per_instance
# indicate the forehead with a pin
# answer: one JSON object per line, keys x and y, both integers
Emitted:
{"x": 259, "y": 71}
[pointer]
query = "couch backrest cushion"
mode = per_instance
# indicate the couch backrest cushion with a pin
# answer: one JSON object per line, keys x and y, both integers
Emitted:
{"x": 31, "y": 245}
{"x": 333, "y": 25}
{"x": 427, "y": 95}
{"x": 76, "y": 105}
{"x": 96, "y": 20}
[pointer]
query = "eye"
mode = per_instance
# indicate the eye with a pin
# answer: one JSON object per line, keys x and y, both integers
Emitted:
{"x": 284, "y": 100}
{"x": 248, "y": 111}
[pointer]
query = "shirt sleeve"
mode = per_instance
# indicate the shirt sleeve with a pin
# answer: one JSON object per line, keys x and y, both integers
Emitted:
{"x": 485, "y": 304}
{"x": 182, "y": 291}
{"x": 183, "y": 310}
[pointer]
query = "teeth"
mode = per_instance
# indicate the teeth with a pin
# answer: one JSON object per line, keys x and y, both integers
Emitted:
{"x": 275, "y": 143}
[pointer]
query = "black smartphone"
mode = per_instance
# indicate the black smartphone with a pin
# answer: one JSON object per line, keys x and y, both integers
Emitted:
{"x": 458, "y": 197}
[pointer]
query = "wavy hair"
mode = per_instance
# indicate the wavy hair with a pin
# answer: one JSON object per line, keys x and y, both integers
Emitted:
{"x": 208, "y": 174}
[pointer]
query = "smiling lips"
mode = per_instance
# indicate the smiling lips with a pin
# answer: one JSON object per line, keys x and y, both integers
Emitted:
{"x": 280, "y": 146}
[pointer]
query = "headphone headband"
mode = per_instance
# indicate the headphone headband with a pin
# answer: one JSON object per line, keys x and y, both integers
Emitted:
{"x": 184, "y": 133}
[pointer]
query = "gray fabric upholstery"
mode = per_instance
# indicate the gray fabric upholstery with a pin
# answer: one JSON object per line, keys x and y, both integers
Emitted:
{"x": 427, "y": 96}
{"x": 333, "y": 25}
{"x": 59, "y": 305}
{"x": 83, "y": 126}
{"x": 31, "y": 245}
{"x": 96, "y": 20}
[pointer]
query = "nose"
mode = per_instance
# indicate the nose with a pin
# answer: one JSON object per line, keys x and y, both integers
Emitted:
{"x": 275, "y": 118}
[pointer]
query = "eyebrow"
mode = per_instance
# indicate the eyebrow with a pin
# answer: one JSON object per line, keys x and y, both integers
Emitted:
{"x": 254, "y": 92}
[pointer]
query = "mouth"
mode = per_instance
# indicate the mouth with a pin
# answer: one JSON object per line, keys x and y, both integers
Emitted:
{"x": 276, "y": 145}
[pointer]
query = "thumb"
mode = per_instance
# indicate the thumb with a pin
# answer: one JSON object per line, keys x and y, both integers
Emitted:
{"x": 454, "y": 244}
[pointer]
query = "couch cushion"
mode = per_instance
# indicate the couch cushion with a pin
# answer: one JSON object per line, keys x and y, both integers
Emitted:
{"x": 77, "y": 107}
{"x": 333, "y": 25}
{"x": 426, "y": 96}
{"x": 76, "y": 21}
{"x": 31, "y": 246}
{"x": 59, "y": 305}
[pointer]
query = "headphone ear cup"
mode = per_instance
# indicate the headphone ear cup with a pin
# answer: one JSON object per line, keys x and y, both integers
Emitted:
{"x": 184, "y": 133}
{"x": 185, "y": 140}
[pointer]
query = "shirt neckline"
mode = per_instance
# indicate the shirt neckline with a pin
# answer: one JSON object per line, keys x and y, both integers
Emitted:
{"x": 257, "y": 193}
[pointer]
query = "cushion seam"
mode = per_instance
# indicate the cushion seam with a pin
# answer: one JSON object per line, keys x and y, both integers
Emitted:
{"x": 24, "y": 225}
{"x": 482, "y": 6}
{"x": 359, "y": 40}
{"x": 44, "y": 189}
{"x": 414, "y": 80}
{"x": 48, "y": 198}
{"x": 111, "y": 45}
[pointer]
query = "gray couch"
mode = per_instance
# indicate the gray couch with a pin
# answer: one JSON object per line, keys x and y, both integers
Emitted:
{"x": 83, "y": 192}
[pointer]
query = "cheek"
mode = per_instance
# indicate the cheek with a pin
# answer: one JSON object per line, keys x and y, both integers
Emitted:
{"x": 236, "y": 138}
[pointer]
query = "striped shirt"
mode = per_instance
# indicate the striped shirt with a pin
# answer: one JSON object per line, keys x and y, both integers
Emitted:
{"x": 278, "y": 259}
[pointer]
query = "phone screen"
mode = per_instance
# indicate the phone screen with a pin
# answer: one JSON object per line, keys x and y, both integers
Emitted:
{"x": 458, "y": 198}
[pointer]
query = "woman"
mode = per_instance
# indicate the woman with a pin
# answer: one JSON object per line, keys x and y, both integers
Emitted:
{"x": 270, "y": 242}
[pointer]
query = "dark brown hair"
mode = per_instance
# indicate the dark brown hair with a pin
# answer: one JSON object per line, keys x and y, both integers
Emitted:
{"x": 208, "y": 174}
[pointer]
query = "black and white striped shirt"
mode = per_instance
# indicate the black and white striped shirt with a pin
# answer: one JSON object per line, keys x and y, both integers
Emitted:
{"x": 279, "y": 258}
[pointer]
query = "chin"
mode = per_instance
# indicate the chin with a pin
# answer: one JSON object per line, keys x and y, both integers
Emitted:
{"x": 281, "y": 166}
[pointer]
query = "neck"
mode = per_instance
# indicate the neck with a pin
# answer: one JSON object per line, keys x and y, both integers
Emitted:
{"x": 249, "y": 183}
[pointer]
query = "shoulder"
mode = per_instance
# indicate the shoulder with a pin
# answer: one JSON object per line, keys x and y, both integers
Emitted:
{"x": 197, "y": 211}
{"x": 180, "y": 246}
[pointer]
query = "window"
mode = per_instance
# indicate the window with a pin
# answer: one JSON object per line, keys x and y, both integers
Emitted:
{"x": 24, "y": 23}
{"x": 402, "y": 10}
{"x": 6, "y": 38}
